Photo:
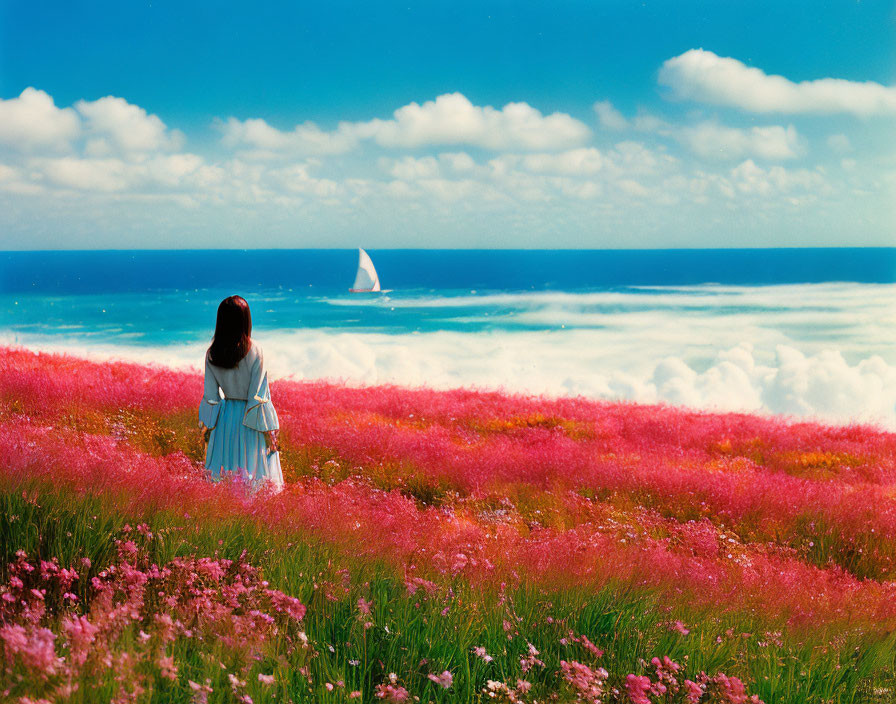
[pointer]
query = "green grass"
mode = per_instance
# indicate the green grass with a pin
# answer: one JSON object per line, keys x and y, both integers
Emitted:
{"x": 414, "y": 635}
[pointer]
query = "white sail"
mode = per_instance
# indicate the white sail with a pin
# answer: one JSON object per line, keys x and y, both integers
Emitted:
{"x": 366, "y": 279}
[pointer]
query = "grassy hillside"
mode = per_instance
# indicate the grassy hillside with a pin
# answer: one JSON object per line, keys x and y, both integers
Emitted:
{"x": 440, "y": 546}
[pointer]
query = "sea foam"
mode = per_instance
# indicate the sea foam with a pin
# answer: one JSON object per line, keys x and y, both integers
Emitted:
{"x": 820, "y": 351}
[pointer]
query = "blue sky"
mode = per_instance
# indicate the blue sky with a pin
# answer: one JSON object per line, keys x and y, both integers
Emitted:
{"x": 654, "y": 124}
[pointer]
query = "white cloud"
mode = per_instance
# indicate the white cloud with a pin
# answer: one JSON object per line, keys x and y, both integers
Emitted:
{"x": 116, "y": 175}
{"x": 13, "y": 180}
{"x": 118, "y": 125}
{"x": 609, "y": 116}
{"x": 451, "y": 191}
{"x": 107, "y": 175}
{"x": 711, "y": 140}
{"x": 632, "y": 188}
{"x": 586, "y": 160}
{"x": 410, "y": 169}
{"x": 298, "y": 179}
{"x": 706, "y": 77}
{"x": 109, "y": 145}
{"x": 174, "y": 170}
{"x": 305, "y": 139}
{"x": 635, "y": 159}
{"x": 119, "y": 153}
{"x": 583, "y": 190}
{"x": 646, "y": 122}
{"x": 449, "y": 119}
{"x": 33, "y": 122}
{"x": 460, "y": 162}
{"x": 523, "y": 176}
{"x": 8, "y": 173}
{"x": 749, "y": 178}
{"x": 453, "y": 119}
{"x": 839, "y": 143}
{"x": 714, "y": 141}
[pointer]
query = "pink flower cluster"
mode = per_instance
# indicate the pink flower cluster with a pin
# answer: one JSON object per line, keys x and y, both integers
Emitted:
{"x": 587, "y": 684}
{"x": 391, "y": 692}
{"x": 135, "y": 601}
{"x": 668, "y": 684}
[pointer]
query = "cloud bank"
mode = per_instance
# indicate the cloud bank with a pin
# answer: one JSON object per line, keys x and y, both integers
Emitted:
{"x": 708, "y": 78}
{"x": 821, "y": 351}
{"x": 450, "y": 119}
{"x": 32, "y": 121}
{"x": 115, "y": 124}
{"x": 478, "y": 173}
{"x": 714, "y": 141}
{"x": 822, "y": 386}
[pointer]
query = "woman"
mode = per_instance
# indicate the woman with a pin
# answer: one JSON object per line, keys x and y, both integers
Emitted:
{"x": 241, "y": 427}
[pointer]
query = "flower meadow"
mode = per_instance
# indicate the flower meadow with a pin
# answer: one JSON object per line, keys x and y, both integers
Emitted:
{"x": 450, "y": 546}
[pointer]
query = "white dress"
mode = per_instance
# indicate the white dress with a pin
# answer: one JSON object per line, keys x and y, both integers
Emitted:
{"x": 236, "y": 405}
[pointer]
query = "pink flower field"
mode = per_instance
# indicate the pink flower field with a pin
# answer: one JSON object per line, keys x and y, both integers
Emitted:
{"x": 456, "y": 546}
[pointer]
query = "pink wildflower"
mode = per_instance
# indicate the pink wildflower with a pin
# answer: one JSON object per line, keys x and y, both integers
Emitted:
{"x": 680, "y": 627}
{"x": 479, "y": 651}
{"x": 289, "y": 605}
{"x": 693, "y": 692}
{"x": 730, "y": 690}
{"x": 638, "y": 687}
{"x": 235, "y": 682}
{"x": 128, "y": 549}
{"x": 444, "y": 680}
{"x": 34, "y": 648}
{"x": 167, "y": 667}
{"x": 528, "y": 662}
{"x": 586, "y": 682}
{"x": 590, "y": 647}
{"x": 81, "y": 634}
{"x": 391, "y": 693}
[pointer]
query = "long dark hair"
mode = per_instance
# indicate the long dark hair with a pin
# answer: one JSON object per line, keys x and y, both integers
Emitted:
{"x": 233, "y": 333}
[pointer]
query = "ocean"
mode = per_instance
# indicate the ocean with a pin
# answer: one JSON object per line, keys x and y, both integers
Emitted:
{"x": 809, "y": 333}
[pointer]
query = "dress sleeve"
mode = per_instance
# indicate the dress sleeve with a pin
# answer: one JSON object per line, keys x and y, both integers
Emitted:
{"x": 260, "y": 413}
{"x": 210, "y": 404}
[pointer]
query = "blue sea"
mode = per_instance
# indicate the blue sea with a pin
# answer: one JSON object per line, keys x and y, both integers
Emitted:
{"x": 803, "y": 332}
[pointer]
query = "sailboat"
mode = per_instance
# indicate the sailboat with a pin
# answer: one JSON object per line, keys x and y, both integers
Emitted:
{"x": 366, "y": 280}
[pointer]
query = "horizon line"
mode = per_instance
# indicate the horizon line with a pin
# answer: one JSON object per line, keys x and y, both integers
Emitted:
{"x": 456, "y": 249}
